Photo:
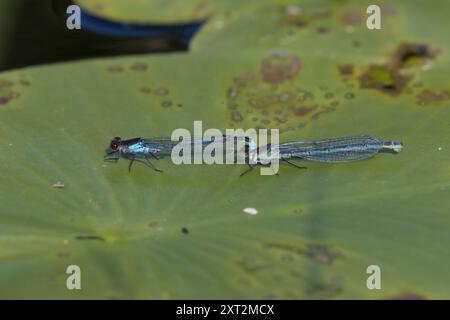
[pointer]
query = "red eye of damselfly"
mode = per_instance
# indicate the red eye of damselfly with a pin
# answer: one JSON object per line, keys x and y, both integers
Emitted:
{"x": 114, "y": 146}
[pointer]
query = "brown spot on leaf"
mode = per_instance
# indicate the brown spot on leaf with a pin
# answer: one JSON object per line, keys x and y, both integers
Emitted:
{"x": 322, "y": 30}
{"x": 388, "y": 9}
{"x": 334, "y": 103}
{"x": 323, "y": 290}
{"x": 328, "y": 95}
{"x": 200, "y": 7}
{"x": 320, "y": 253}
{"x": 429, "y": 97}
{"x": 115, "y": 69}
{"x": 250, "y": 264}
{"x": 390, "y": 77}
{"x": 286, "y": 97}
{"x": 352, "y": 18}
{"x": 236, "y": 116}
{"x": 346, "y": 70}
{"x": 243, "y": 79}
{"x": 264, "y": 101}
{"x": 279, "y": 67}
{"x": 5, "y": 98}
{"x": 6, "y": 84}
{"x": 232, "y": 105}
{"x": 303, "y": 110}
{"x": 87, "y": 237}
{"x": 294, "y": 17}
{"x": 25, "y": 83}
{"x": 6, "y": 93}
{"x": 244, "y": 283}
{"x": 305, "y": 95}
{"x": 146, "y": 90}
{"x": 161, "y": 92}
{"x": 63, "y": 255}
{"x": 233, "y": 93}
{"x": 321, "y": 14}
{"x": 349, "y": 95}
{"x": 412, "y": 54}
{"x": 139, "y": 67}
{"x": 407, "y": 296}
{"x": 384, "y": 78}
{"x": 271, "y": 296}
{"x": 166, "y": 104}
{"x": 356, "y": 43}
{"x": 322, "y": 111}
{"x": 98, "y": 7}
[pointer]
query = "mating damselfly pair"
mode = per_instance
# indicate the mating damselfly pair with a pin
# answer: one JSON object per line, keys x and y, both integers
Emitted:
{"x": 335, "y": 150}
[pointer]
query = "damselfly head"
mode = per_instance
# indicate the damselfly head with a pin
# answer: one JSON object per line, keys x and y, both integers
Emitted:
{"x": 115, "y": 143}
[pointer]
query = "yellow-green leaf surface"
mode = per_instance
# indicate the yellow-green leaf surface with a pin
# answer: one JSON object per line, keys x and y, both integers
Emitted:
{"x": 316, "y": 230}
{"x": 161, "y": 11}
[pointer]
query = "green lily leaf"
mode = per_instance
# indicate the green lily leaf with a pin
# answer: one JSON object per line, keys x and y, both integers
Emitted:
{"x": 185, "y": 233}
{"x": 164, "y": 12}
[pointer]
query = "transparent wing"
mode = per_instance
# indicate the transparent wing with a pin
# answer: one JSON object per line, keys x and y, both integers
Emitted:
{"x": 344, "y": 149}
{"x": 163, "y": 146}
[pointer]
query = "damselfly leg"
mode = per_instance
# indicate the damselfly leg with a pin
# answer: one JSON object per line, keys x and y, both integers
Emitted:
{"x": 147, "y": 163}
{"x": 292, "y": 164}
{"x": 150, "y": 164}
{"x": 248, "y": 170}
{"x": 107, "y": 158}
{"x": 283, "y": 161}
{"x": 251, "y": 167}
{"x": 154, "y": 156}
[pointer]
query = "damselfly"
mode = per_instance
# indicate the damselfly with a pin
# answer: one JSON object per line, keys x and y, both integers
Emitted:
{"x": 336, "y": 150}
{"x": 142, "y": 150}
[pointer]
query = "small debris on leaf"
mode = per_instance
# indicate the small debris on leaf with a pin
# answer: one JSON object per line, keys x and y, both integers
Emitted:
{"x": 251, "y": 211}
{"x": 58, "y": 185}
{"x": 184, "y": 230}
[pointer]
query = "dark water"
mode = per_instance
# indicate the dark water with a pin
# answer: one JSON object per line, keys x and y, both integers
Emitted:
{"x": 39, "y": 36}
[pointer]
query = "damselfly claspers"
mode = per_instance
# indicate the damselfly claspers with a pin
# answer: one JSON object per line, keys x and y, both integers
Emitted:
{"x": 142, "y": 149}
{"x": 335, "y": 150}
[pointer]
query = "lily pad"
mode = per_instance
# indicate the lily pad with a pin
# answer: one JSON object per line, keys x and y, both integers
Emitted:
{"x": 183, "y": 233}
{"x": 160, "y": 11}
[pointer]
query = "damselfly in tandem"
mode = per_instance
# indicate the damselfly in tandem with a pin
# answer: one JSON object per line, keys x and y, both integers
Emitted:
{"x": 142, "y": 149}
{"x": 336, "y": 150}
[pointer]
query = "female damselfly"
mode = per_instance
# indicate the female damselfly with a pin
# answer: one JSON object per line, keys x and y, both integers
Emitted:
{"x": 336, "y": 150}
{"x": 142, "y": 149}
